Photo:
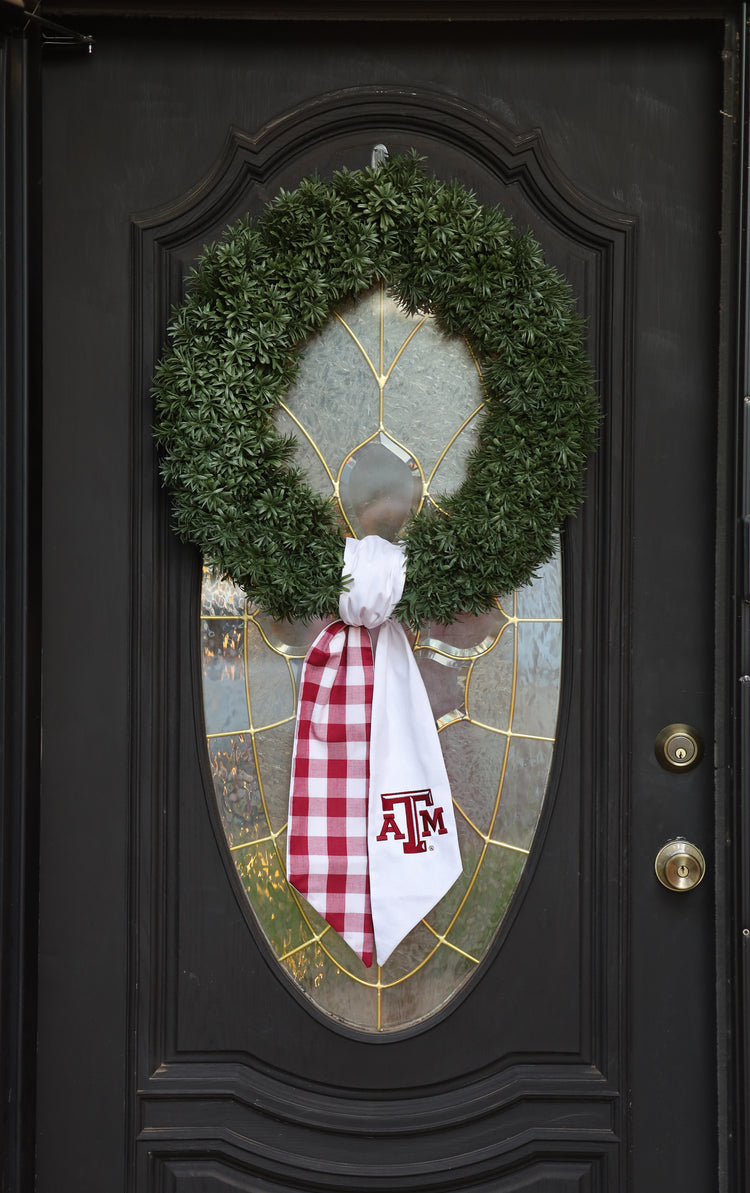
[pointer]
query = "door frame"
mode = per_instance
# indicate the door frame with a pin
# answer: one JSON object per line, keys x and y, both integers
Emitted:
{"x": 21, "y": 56}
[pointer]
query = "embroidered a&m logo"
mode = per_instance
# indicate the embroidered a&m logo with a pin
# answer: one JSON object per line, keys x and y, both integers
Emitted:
{"x": 411, "y": 817}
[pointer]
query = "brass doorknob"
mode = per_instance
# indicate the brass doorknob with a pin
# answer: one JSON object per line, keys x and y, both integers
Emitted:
{"x": 679, "y": 865}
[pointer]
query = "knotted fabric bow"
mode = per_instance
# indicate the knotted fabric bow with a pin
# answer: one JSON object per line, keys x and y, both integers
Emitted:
{"x": 372, "y": 840}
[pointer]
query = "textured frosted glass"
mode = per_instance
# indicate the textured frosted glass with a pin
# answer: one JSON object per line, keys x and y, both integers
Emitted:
{"x": 443, "y": 974}
{"x": 413, "y": 951}
{"x": 224, "y": 691}
{"x": 489, "y": 897}
{"x": 473, "y": 848}
{"x": 237, "y": 789}
{"x": 270, "y": 684}
{"x": 362, "y": 318}
{"x": 261, "y": 870}
{"x": 274, "y": 749}
{"x": 446, "y": 681}
{"x": 306, "y": 458}
{"x": 474, "y": 760}
{"x": 543, "y": 597}
{"x": 451, "y": 468}
{"x": 433, "y": 389}
{"x": 398, "y": 331}
{"x": 220, "y": 597}
{"x": 539, "y": 651}
{"x": 333, "y": 988}
{"x": 493, "y": 681}
{"x": 336, "y": 397}
{"x": 492, "y": 684}
{"x": 523, "y": 791}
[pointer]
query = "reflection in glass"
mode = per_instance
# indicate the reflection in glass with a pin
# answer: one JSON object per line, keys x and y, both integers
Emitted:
{"x": 379, "y": 487}
{"x": 385, "y": 412}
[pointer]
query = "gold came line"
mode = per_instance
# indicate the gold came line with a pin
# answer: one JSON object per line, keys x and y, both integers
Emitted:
{"x": 251, "y": 731}
{"x": 223, "y": 616}
{"x": 513, "y": 620}
{"x": 460, "y": 654}
{"x": 247, "y": 844}
{"x": 470, "y": 822}
{"x": 456, "y": 949}
{"x": 511, "y": 732}
{"x": 488, "y": 840}
{"x": 310, "y": 440}
{"x": 380, "y": 380}
{"x": 274, "y": 724}
{"x": 382, "y": 363}
{"x": 505, "y": 845}
{"x": 306, "y": 945}
{"x": 452, "y": 440}
{"x": 405, "y": 344}
{"x": 270, "y": 645}
{"x": 449, "y": 943}
{"x": 405, "y": 977}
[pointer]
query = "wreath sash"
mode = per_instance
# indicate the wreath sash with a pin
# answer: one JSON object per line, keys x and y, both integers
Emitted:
{"x": 372, "y": 841}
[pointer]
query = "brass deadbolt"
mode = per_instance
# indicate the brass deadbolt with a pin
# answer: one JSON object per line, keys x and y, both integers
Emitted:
{"x": 678, "y": 747}
{"x": 679, "y": 865}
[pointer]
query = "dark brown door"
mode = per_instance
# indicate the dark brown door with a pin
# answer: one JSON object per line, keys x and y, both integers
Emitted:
{"x": 173, "y": 1052}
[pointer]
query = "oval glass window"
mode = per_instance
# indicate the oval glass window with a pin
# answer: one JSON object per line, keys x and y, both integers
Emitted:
{"x": 384, "y": 414}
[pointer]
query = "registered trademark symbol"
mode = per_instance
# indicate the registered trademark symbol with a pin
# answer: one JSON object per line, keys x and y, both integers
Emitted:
{"x": 431, "y": 848}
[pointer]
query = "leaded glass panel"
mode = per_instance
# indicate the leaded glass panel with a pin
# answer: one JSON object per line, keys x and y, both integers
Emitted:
{"x": 385, "y": 412}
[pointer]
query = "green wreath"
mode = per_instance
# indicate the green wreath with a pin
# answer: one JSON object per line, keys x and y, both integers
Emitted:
{"x": 234, "y": 350}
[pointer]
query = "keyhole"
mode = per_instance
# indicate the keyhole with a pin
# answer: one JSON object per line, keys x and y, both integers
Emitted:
{"x": 680, "y": 753}
{"x": 683, "y": 871}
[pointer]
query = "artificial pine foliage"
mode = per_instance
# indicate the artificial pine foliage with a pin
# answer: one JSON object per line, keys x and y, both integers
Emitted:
{"x": 234, "y": 347}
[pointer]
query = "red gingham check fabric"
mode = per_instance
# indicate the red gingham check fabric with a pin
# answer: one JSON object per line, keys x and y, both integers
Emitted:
{"x": 327, "y": 832}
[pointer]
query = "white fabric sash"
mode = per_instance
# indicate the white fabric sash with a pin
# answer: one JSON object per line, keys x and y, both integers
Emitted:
{"x": 413, "y": 851}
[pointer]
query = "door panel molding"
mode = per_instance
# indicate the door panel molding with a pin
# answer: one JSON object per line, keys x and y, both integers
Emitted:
{"x": 505, "y": 1096}
{"x": 342, "y": 118}
{"x": 496, "y": 1145}
{"x": 553, "y": 1174}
